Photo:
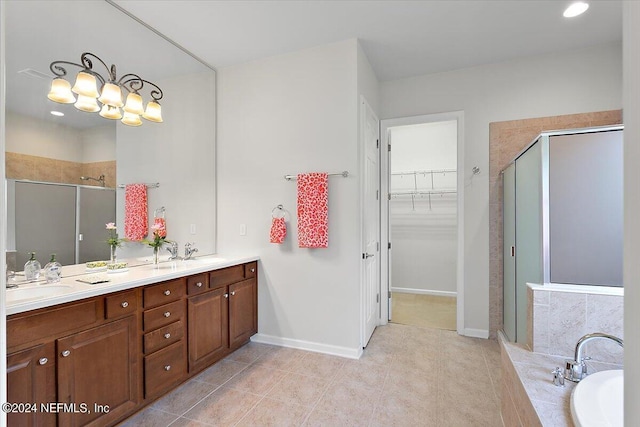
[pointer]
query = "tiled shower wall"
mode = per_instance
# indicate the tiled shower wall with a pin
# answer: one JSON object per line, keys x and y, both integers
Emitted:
{"x": 506, "y": 140}
{"x": 34, "y": 168}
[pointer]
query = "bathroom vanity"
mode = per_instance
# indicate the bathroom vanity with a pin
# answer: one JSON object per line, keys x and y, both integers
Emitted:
{"x": 95, "y": 354}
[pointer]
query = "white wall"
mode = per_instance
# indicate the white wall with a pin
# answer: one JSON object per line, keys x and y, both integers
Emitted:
{"x": 573, "y": 82}
{"x": 34, "y": 137}
{"x": 99, "y": 143}
{"x": 180, "y": 155}
{"x": 283, "y": 115}
{"x": 424, "y": 235}
{"x": 631, "y": 42}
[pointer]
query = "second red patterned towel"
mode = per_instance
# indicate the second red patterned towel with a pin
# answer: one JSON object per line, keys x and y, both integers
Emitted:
{"x": 313, "y": 210}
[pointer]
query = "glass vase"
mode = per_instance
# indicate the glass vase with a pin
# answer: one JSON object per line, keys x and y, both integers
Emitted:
{"x": 113, "y": 254}
{"x": 156, "y": 252}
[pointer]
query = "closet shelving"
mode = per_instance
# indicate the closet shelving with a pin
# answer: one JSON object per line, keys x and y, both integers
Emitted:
{"x": 422, "y": 191}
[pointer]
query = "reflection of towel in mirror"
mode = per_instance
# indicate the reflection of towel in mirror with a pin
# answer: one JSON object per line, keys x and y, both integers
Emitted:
{"x": 313, "y": 210}
{"x": 161, "y": 225}
{"x": 278, "y": 230}
{"x": 135, "y": 211}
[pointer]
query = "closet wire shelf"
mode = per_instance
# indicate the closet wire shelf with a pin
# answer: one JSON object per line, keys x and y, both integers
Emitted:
{"x": 417, "y": 192}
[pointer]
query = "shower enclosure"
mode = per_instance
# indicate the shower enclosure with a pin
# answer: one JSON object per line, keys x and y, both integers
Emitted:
{"x": 65, "y": 219}
{"x": 562, "y": 217}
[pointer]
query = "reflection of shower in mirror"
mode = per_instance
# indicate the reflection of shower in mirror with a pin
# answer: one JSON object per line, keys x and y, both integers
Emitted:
{"x": 100, "y": 179}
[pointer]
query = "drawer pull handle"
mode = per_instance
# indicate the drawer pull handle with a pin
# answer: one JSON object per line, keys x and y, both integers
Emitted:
{"x": 43, "y": 361}
{"x": 233, "y": 292}
{"x": 167, "y": 368}
{"x": 167, "y": 292}
{"x": 199, "y": 284}
{"x": 226, "y": 295}
{"x": 167, "y": 313}
{"x": 125, "y": 304}
{"x": 66, "y": 353}
{"x": 167, "y": 335}
{"x": 253, "y": 270}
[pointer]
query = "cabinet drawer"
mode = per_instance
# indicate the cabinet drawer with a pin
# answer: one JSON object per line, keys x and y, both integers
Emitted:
{"x": 163, "y": 315}
{"x": 164, "y": 368}
{"x": 250, "y": 269}
{"x": 121, "y": 304}
{"x": 197, "y": 284}
{"x": 226, "y": 276}
{"x": 53, "y": 321}
{"x": 163, "y": 293}
{"x": 163, "y": 337}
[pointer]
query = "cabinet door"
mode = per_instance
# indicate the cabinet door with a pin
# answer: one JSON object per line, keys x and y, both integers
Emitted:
{"x": 208, "y": 328}
{"x": 243, "y": 312}
{"x": 31, "y": 378}
{"x": 98, "y": 367}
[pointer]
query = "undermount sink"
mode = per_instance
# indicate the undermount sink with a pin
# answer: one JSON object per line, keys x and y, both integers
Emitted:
{"x": 30, "y": 293}
{"x": 598, "y": 400}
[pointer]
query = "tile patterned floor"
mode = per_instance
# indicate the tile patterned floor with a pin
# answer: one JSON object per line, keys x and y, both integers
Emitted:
{"x": 424, "y": 310}
{"x": 408, "y": 376}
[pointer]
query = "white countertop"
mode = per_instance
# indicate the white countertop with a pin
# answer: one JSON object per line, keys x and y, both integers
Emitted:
{"x": 69, "y": 289}
{"x": 578, "y": 289}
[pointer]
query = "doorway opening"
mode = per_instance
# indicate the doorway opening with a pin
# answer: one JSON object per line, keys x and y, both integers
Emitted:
{"x": 422, "y": 221}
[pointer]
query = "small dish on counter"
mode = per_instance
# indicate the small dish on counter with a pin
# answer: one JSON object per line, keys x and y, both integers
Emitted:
{"x": 96, "y": 266}
{"x": 117, "y": 267}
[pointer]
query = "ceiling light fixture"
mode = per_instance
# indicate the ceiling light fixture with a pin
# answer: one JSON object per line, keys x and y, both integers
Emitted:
{"x": 575, "y": 9}
{"x": 109, "y": 95}
{"x": 57, "y": 113}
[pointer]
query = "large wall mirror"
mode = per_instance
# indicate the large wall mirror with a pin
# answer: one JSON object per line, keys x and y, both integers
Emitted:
{"x": 66, "y": 168}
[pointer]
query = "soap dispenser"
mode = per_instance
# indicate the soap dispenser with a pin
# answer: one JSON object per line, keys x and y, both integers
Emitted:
{"x": 53, "y": 270}
{"x": 32, "y": 268}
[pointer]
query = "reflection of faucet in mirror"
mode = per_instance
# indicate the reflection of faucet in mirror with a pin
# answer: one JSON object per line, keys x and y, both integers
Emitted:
{"x": 100, "y": 179}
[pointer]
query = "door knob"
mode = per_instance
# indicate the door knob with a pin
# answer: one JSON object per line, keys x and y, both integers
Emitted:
{"x": 66, "y": 353}
{"x": 365, "y": 256}
{"x": 43, "y": 361}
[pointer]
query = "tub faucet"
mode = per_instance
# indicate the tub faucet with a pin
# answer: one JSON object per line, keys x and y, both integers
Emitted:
{"x": 173, "y": 250}
{"x": 189, "y": 250}
{"x": 576, "y": 369}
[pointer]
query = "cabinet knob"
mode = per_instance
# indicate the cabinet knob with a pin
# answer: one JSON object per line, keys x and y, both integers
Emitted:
{"x": 43, "y": 361}
{"x": 226, "y": 295}
{"x": 167, "y": 335}
{"x": 167, "y": 292}
{"x": 167, "y": 313}
{"x": 233, "y": 292}
{"x": 124, "y": 304}
{"x": 253, "y": 270}
{"x": 167, "y": 368}
{"x": 199, "y": 284}
{"x": 66, "y": 353}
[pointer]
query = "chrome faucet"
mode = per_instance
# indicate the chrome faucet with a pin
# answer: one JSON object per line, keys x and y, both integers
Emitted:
{"x": 10, "y": 274}
{"x": 189, "y": 250}
{"x": 576, "y": 370}
{"x": 173, "y": 250}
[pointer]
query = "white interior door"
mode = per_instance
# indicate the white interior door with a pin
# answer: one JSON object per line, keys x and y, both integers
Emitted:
{"x": 371, "y": 220}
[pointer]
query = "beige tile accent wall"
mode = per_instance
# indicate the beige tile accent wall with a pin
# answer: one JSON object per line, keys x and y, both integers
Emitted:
{"x": 559, "y": 319}
{"x": 34, "y": 168}
{"x": 506, "y": 140}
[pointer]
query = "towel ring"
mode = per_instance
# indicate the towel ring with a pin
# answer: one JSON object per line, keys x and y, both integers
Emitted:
{"x": 277, "y": 209}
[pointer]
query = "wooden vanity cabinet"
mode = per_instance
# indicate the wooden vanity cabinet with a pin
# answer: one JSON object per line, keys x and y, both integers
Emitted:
{"x": 223, "y": 318}
{"x": 31, "y": 377}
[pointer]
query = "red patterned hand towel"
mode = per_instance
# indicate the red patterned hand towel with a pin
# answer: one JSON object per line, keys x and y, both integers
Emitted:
{"x": 135, "y": 211}
{"x": 278, "y": 230}
{"x": 313, "y": 210}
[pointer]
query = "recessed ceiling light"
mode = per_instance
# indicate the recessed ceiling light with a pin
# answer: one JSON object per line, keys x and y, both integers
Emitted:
{"x": 57, "y": 113}
{"x": 575, "y": 9}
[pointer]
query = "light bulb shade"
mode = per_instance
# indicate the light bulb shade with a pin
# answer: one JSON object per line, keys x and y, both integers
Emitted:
{"x": 109, "y": 112}
{"x": 111, "y": 95}
{"x": 131, "y": 119}
{"x": 86, "y": 85}
{"x": 153, "y": 112}
{"x": 87, "y": 103}
{"x": 61, "y": 91}
{"x": 134, "y": 104}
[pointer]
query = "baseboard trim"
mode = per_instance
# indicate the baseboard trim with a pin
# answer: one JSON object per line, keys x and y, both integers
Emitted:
{"x": 424, "y": 292}
{"x": 476, "y": 333}
{"x": 333, "y": 350}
